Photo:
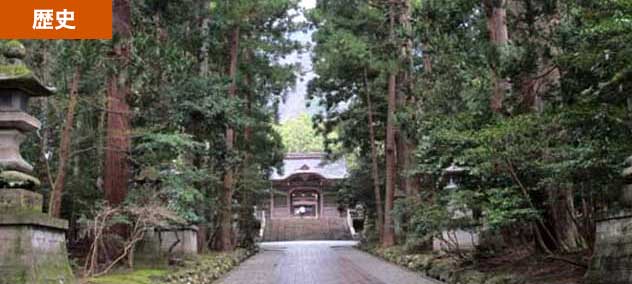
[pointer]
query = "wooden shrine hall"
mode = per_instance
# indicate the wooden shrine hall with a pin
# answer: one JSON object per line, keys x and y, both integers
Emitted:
{"x": 306, "y": 188}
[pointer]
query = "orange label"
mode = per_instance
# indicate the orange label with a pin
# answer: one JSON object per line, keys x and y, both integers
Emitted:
{"x": 56, "y": 19}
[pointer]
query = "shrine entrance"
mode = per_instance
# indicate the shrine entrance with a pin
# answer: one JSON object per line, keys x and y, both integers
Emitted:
{"x": 305, "y": 203}
{"x": 306, "y": 187}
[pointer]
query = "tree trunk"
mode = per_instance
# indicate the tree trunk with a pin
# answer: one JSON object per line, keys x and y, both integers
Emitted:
{"x": 204, "y": 50}
{"x": 247, "y": 221}
{"x": 545, "y": 76}
{"x": 64, "y": 148}
{"x": 388, "y": 239}
{"x": 379, "y": 222}
{"x": 498, "y": 35}
{"x": 406, "y": 142}
{"x": 391, "y": 164}
{"x": 226, "y": 220}
{"x": 427, "y": 62}
{"x": 562, "y": 208}
{"x": 203, "y": 228}
{"x": 116, "y": 172}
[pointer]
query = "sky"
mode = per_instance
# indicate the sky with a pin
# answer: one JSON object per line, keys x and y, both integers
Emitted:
{"x": 308, "y": 4}
{"x": 295, "y": 102}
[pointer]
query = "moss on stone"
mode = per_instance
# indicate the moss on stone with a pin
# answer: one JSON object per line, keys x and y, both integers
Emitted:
{"x": 18, "y": 273}
{"x": 14, "y": 179}
{"x": 10, "y": 70}
{"x": 13, "y": 43}
{"x": 27, "y": 264}
{"x": 14, "y": 49}
{"x": 14, "y": 74}
{"x": 33, "y": 218}
{"x": 54, "y": 268}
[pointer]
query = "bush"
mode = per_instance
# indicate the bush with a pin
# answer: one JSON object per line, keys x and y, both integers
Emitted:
{"x": 208, "y": 268}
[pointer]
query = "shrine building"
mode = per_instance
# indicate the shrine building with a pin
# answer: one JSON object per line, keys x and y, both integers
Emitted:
{"x": 306, "y": 188}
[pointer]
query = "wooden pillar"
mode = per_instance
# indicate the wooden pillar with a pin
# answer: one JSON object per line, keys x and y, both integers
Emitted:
{"x": 272, "y": 203}
{"x": 318, "y": 207}
{"x": 322, "y": 200}
{"x": 288, "y": 202}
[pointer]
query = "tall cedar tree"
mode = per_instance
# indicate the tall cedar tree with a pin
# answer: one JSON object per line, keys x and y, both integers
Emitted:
{"x": 226, "y": 219}
{"x": 117, "y": 166}
{"x": 388, "y": 238}
{"x": 496, "y": 13}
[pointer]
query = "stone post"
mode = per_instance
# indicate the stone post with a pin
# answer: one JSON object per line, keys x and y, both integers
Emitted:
{"x": 32, "y": 244}
{"x": 612, "y": 257}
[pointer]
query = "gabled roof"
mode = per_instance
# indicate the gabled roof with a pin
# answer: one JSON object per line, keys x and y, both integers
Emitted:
{"x": 315, "y": 163}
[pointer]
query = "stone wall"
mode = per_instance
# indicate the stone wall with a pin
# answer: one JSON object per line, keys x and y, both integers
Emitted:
{"x": 612, "y": 259}
{"x": 33, "y": 254}
{"x": 155, "y": 248}
{"x": 466, "y": 240}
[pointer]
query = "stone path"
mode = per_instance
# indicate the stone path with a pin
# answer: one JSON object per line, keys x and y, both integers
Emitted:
{"x": 319, "y": 262}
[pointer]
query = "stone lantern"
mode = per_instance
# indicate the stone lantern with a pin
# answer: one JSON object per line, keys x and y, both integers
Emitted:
{"x": 32, "y": 244}
{"x": 453, "y": 173}
{"x": 461, "y": 238}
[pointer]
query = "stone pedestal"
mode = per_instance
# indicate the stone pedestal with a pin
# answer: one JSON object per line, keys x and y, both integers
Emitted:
{"x": 155, "y": 246}
{"x": 461, "y": 238}
{"x": 612, "y": 258}
{"x": 32, "y": 244}
{"x": 465, "y": 240}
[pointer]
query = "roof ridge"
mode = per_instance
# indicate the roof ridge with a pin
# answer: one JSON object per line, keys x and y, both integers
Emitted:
{"x": 308, "y": 155}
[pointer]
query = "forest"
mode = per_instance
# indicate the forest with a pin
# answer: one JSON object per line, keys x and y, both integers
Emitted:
{"x": 517, "y": 112}
{"x": 528, "y": 99}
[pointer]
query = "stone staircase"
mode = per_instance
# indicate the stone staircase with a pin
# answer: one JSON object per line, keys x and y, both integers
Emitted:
{"x": 297, "y": 229}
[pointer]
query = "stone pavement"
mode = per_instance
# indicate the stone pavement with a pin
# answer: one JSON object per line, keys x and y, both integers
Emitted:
{"x": 319, "y": 262}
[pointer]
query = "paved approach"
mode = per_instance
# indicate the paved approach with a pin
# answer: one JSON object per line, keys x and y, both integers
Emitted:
{"x": 318, "y": 262}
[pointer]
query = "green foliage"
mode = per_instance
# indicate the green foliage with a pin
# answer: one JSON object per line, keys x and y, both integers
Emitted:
{"x": 207, "y": 268}
{"x": 350, "y": 47}
{"x": 179, "y": 107}
{"x": 140, "y": 276}
{"x": 203, "y": 269}
{"x": 505, "y": 207}
{"x": 569, "y": 131}
{"x": 299, "y": 136}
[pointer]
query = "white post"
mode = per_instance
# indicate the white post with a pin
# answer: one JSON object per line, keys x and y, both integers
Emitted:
{"x": 350, "y": 223}
{"x": 263, "y": 224}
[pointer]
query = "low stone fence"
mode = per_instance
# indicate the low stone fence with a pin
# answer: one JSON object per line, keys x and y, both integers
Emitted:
{"x": 161, "y": 244}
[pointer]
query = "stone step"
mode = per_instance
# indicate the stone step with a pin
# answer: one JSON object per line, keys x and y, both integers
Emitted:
{"x": 289, "y": 229}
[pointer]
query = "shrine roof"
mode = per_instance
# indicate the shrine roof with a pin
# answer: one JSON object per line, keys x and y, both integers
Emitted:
{"x": 295, "y": 163}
